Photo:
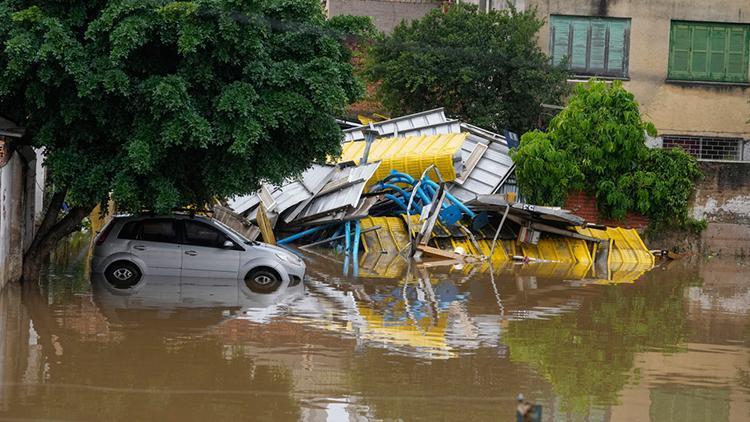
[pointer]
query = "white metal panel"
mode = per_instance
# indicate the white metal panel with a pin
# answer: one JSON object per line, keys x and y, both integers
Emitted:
{"x": 491, "y": 169}
{"x": 394, "y": 127}
{"x": 355, "y": 179}
{"x": 289, "y": 194}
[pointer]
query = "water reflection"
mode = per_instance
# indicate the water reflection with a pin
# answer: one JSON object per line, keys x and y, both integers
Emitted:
{"x": 437, "y": 343}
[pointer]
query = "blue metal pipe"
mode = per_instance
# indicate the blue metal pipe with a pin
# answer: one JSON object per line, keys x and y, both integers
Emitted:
{"x": 422, "y": 195}
{"x": 453, "y": 199}
{"x": 402, "y": 192}
{"x": 355, "y": 248}
{"x": 405, "y": 176}
{"x": 402, "y": 204}
{"x": 347, "y": 237}
{"x": 302, "y": 234}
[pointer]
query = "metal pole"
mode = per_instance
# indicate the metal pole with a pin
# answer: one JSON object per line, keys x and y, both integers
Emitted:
{"x": 370, "y": 134}
{"x": 497, "y": 233}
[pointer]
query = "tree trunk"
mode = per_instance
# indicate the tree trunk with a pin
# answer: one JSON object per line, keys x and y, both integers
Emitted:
{"x": 50, "y": 232}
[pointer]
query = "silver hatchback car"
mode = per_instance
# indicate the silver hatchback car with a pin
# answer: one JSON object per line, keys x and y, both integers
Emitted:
{"x": 180, "y": 245}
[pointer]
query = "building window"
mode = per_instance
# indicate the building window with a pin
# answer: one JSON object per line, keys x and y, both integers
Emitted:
{"x": 711, "y": 52}
{"x": 593, "y": 46}
{"x": 707, "y": 147}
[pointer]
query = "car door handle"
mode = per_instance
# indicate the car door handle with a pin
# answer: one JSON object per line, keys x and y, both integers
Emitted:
{"x": 139, "y": 247}
{"x": 191, "y": 253}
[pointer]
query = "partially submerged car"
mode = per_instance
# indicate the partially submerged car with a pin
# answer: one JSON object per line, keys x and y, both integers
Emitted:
{"x": 130, "y": 247}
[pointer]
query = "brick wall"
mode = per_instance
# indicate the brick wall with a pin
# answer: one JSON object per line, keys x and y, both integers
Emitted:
{"x": 584, "y": 205}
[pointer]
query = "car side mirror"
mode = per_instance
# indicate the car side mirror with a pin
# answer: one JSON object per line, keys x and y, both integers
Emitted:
{"x": 228, "y": 244}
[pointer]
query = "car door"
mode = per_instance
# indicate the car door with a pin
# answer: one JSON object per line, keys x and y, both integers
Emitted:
{"x": 155, "y": 242}
{"x": 204, "y": 254}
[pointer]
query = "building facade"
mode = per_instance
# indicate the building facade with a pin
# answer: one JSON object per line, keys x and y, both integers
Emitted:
{"x": 686, "y": 62}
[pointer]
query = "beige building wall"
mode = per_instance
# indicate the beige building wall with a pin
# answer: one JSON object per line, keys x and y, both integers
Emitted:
{"x": 385, "y": 14}
{"x": 685, "y": 109}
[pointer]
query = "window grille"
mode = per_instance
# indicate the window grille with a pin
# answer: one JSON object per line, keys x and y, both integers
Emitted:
{"x": 707, "y": 147}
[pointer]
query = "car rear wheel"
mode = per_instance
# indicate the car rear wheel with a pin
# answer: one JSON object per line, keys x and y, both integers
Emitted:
{"x": 263, "y": 280}
{"x": 123, "y": 274}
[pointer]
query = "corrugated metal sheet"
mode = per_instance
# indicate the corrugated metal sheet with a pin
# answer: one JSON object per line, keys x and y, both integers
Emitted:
{"x": 290, "y": 194}
{"x": 411, "y": 155}
{"x": 242, "y": 204}
{"x": 343, "y": 190}
{"x": 511, "y": 185}
{"x": 394, "y": 127}
{"x": 484, "y": 178}
{"x": 492, "y": 168}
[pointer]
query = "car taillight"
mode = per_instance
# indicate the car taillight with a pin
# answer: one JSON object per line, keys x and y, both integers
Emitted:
{"x": 103, "y": 235}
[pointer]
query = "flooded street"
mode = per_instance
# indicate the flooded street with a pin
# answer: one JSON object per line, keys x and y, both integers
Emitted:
{"x": 428, "y": 344}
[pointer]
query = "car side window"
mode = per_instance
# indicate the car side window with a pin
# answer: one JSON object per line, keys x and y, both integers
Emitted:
{"x": 130, "y": 230}
{"x": 201, "y": 234}
{"x": 158, "y": 231}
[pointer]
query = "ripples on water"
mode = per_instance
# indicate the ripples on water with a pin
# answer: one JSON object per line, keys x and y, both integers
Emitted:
{"x": 429, "y": 344}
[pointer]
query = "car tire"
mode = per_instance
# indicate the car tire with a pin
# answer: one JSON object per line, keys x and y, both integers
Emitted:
{"x": 123, "y": 274}
{"x": 263, "y": 280}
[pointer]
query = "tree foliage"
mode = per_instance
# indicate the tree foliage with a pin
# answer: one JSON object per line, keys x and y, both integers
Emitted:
{"x": 597, "y": 144}
{"x": 164, "y": 103}
{"x": 485, "y": 68}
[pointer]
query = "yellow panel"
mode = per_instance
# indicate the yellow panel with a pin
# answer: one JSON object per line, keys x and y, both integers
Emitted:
{"x": 580, "y": 250}
{"x": 627, "y": 245}
{"x": 391, "y": 238}
{"x": 410, "y": 155}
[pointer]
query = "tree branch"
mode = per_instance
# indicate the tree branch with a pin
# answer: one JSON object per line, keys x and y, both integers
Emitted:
{"x": 50, "y": 218}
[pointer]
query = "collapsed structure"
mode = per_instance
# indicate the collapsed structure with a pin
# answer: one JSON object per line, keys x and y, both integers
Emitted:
{"x": 427, "y": 186}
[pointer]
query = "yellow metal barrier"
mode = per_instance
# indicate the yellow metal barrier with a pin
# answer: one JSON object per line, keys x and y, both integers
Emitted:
{"x": 626, "y": 245}
{"x": 410, "y": 155}
{"x": 391, "y": 238}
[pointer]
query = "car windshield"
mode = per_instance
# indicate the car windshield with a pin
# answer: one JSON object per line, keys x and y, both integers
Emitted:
{"x": 235, "y": 232}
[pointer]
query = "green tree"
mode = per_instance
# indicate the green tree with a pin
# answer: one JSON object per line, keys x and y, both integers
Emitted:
{"x": 485, "y": 68}
{"x": 597, "y": 144}
{"x": 163, "y": 104}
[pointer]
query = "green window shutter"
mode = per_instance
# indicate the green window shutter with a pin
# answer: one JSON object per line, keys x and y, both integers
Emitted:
{"x": 679, "y": 54}
{"x": 560, "y": 38}
{"x": 594, "y": 46}
{"x": 618, "y": 44}
{"x": 737, "y": 54}
{"x": 718, "y": 47}
{"x": 598, "y": 50}
{"x": 709, "y": 52}
{"x": 579, "y": 52}
{"x": 699, "y": 53}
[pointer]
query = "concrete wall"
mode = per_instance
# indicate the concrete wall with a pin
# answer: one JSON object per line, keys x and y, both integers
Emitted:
{"x": 722, "y": 198}
{"x": 687, "y": 109}
{"x": 21, "y": 201}
{"x": 11, "y": 216}
{"x": 386, "y": 14}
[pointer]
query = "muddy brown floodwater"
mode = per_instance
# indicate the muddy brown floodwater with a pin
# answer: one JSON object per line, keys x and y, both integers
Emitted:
{"x": 453, "y": 344}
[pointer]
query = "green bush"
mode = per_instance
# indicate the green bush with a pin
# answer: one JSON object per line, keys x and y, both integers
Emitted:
{"x": 597, "y": 144}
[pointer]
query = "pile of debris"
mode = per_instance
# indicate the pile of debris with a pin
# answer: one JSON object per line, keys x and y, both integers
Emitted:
{"x": 424, "y": 186}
